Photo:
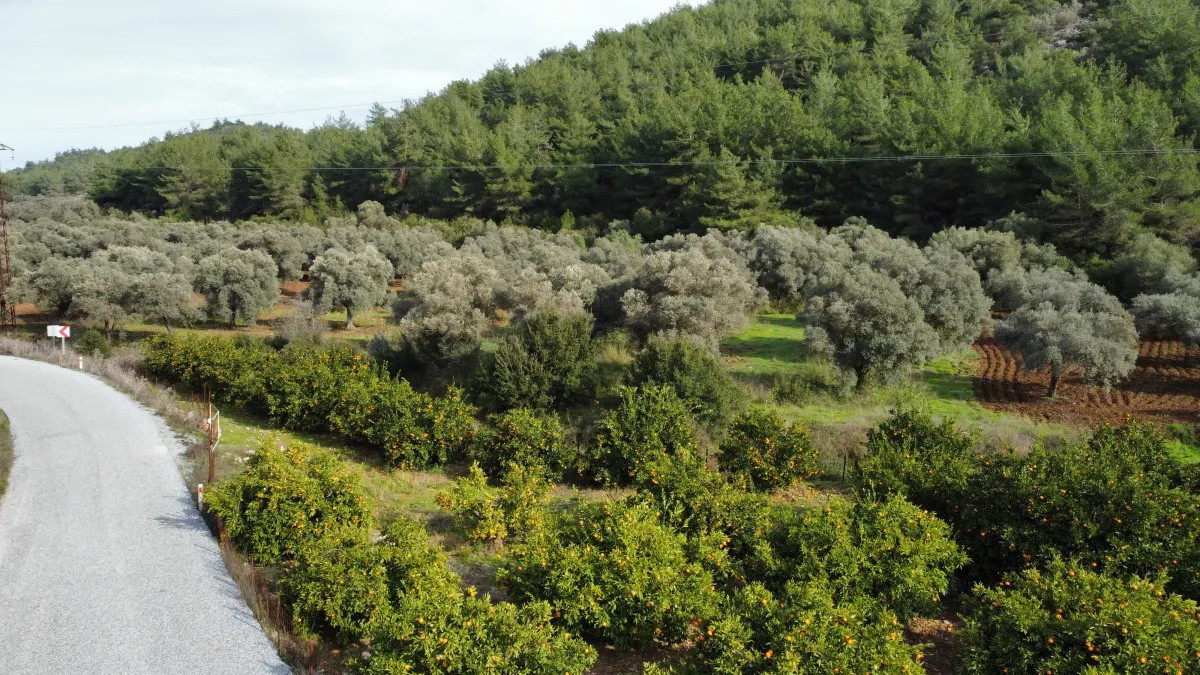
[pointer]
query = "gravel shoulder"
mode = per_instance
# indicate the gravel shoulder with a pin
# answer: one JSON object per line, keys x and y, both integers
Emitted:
{"x": 105, "y": 565}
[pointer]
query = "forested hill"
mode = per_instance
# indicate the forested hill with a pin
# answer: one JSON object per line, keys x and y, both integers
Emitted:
{"x": 1082, "y": 117}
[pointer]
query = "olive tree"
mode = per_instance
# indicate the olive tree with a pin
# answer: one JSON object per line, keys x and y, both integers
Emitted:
{"x": 408, "y": 248}
{"x": 351, "y": 280}
{"x": 286, "y": 246}
{"x": 1013, "y": 287}
{"x": 686, "y": 294}
{"x": 618, "y": 253}
{"x": 1069, "y": 326}
{"x": 102, "y": 295}
{"x": 454, "y": 297}
{"x": 164, "y": 297}
{"x": 1171, "y": 316}
{"x": 864, "y": 323}
{"x": 51, "y": 284}
{"x": 952, "y": 298}
{"x": 786, "y": 259}
{"x": 986, "y": 249}
{"x": 1148, "y": 263}
{"x": 237, "y": 284}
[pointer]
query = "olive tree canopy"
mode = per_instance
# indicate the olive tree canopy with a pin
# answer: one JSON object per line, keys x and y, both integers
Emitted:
{"x": 237, "y": 284}
{"x": 1072, "y": 325}
{"x": 864, "y": 323}
{"x": 351, "y": 280}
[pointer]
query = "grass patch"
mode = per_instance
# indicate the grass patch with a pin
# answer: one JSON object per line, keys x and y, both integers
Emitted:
{"x": 1184, "y": 442}
{"x": 772, "y": 345}
{"x": 772, "y": 349}
{"x": 6, "y": 452}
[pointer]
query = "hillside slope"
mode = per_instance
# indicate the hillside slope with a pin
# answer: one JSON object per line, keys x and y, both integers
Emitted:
{"x": 746, "y": 111}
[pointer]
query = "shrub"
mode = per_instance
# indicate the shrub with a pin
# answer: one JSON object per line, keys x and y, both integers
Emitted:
{"x": 401, "y": 596}
{"x": 306, "y": 387}
{"x": 764, "y": 452}
{"x": 1109, "y": 501}
{"x": 482, "y": 513}
{"x": 528, "y": 439}
{"x": 615, "y": 572}
{"x": 1112, "y": 500}
{"x": 287, "y": 498}
{"x": 232, "y": 372}
{"x": 1070, "y": 619}
{"x": 911, "y": 455}
{"x": 549, "y": 364}
{"x": 792, "y": 389}
{"x": 650, "y": 423}
{"x": 694, "y": 373}
{"x": 414, "y": 430}
{"x": 305, "y": 383}
{"x": 888, "y": 551}
{"x": 337, "y": 586}
{"x": 93, "y": 343}
{"x": 800, "y": 631}
{"x": 726, "y": 527}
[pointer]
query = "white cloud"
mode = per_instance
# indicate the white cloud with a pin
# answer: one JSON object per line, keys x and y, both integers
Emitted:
{"x": 79, "y": 63}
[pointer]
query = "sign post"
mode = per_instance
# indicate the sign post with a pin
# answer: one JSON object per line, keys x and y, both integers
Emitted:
{"x": 61, "y": 333}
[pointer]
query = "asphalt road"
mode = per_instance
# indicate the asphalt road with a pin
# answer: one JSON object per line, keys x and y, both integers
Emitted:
{"x": 105, "y": 565}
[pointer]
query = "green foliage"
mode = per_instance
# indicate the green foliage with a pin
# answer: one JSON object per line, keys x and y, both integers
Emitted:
{"x": 322, "y": 389}
{"x": 349, "y": 280}
{"x": 694, "y": 373}
{"x": 764, "y": 452}
{"x": 613, "y": 571}
{"x": 801, "y": 630}
{"x": 549, "y": 364}
{"x": 1069, "y": 619}
{"x": 1072, "y": 325}
{"x": 237, "y": 284}
{"x": 482, "y": 513}
{"x": 649, "y": 424}
{"x": 287, "y": 498}
{"x": 527, "y": 439}
{"x": 305, "y": 384}
{"x": 401, "y": 596}
{"x": 232, "y": 371}
{"x": 911, "y": 455}
{"x": 1111, "y": 500}
{"x": 93, "y": 343}
{"x": 886, "y": 551}
{"x": 726, "y": 527}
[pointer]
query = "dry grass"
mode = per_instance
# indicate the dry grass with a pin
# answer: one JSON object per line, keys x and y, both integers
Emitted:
{"x": 6, "y": 453}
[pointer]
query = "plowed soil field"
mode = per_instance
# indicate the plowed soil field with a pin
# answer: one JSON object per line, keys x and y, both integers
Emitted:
{"x": 1164, "y": 386}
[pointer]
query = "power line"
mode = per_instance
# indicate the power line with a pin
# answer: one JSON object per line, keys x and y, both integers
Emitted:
{"x": 717, "y": 162}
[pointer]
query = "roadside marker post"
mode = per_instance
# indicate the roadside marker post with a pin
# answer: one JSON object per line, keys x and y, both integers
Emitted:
{"x": 200, "y": 493}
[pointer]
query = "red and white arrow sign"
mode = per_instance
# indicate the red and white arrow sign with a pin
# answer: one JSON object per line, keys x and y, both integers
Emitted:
{"x": 64, "y": 332}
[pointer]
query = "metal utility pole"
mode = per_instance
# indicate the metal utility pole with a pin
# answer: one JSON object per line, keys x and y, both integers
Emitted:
{"x": 8, "y": 307}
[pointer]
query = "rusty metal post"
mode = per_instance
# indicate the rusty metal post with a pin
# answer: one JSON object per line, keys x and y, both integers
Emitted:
{"x": 8, "y": 308}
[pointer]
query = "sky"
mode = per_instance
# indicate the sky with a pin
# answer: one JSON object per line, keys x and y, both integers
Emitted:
{"x": 116, "y": 65}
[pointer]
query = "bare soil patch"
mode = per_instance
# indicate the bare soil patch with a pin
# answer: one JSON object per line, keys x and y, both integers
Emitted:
{"x": 1165, "y": 386}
